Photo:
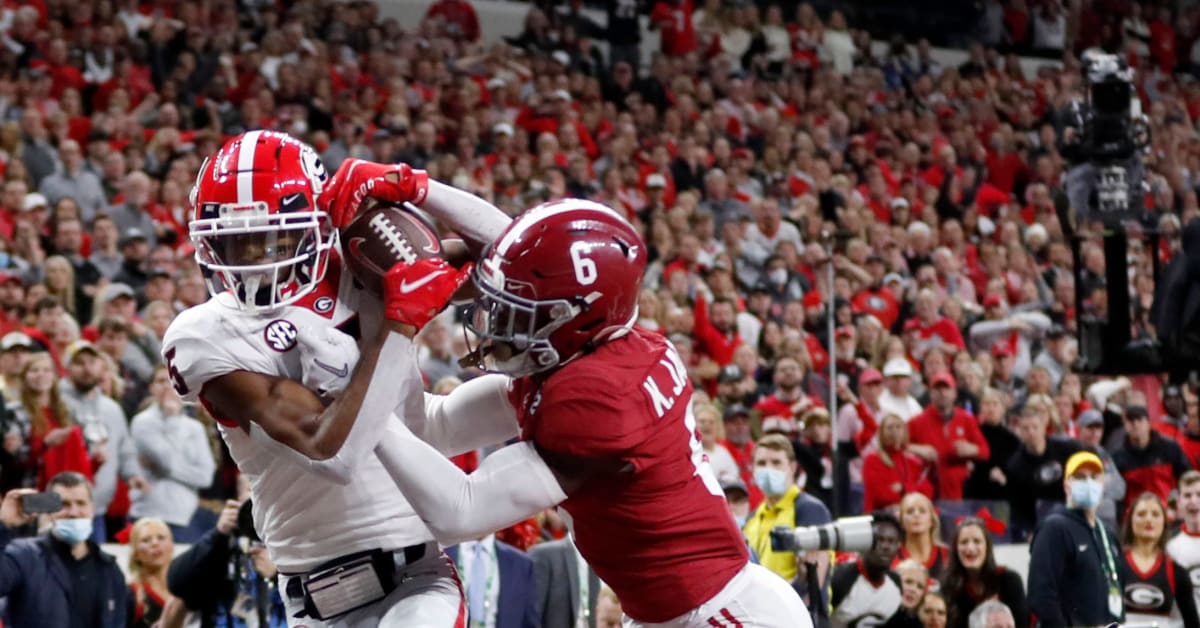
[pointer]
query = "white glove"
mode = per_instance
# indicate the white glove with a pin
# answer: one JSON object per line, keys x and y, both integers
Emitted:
{"x": 327, "y": 357}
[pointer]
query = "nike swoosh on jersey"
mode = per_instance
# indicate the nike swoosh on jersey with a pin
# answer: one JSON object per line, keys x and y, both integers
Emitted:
{"x": 342, "y": 372}
{"x": 406, "y": 287}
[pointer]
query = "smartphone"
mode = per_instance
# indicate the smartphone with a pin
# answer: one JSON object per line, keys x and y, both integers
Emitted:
{"x": 41, "y": 503}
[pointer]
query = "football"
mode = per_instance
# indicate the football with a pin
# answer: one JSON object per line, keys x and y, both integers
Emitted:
{"x": 383, "y": 235}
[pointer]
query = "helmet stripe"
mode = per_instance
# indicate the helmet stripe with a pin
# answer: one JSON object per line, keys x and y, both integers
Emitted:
{"x": 245, "y": 167}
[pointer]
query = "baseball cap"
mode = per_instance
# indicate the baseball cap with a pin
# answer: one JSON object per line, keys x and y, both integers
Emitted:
{"x": 561, "y": 57}
{"x": 131, "y": 234}
{"x": 114, "y": 290}
{"x": 736, "y": 410}
{"x": 16, "y": 340}
{"x": 656, "y": 181}
{"x": 897, "y": 367}
{"x": 561, "y": 94}
{"x": 1136, "y": 412}
{"x": 503, "y": 128}
{"x": 870, "y": 376}
{"x": 845, "y": 331}
{"x": 33, "y": 200}
{"x": 496, "y": 83}
{"x": 1056, "y": 331}
{"x": 10, "y": 275}
{"x": 730, "y": 373}
{"x": 890, "y": 277}
{"x": 1172, "y": 390}
{"x": 1083, "y": 458}
{"x": 1091, "y": 417}
{"x": 943, "y": 379}
{"x": 77, "y": 347}
{"x": 992, "y": 300}
{"x": 1001, "y": 349}
{"x": 734, "y": 485}
{"x": 899, "y": 201}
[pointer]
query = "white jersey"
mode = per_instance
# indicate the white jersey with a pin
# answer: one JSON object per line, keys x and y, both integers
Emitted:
{"x": 1184, "y": 548}
{"x": 309, "y": 520}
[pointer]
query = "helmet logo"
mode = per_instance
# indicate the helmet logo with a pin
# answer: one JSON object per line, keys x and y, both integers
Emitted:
{"x": 280, "y": 335}
{"x": 311, "y": 164}
{"x": 323, "y": 304}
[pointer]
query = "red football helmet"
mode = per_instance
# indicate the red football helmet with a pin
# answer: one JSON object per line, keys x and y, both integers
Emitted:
{"x": 564, "y": 277}
{"x": 255, "y": 223}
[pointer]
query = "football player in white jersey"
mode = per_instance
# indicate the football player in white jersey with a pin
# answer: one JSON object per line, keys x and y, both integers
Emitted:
{"x": 1184, "y": 547}
{"x": 349, "y": 548}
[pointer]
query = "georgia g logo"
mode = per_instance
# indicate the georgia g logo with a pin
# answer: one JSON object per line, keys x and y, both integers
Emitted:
{"x": 1144, "y": 595}
{"x": 280, "y": 335}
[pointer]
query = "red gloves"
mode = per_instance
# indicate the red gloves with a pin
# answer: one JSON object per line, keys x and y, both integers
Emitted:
{"x": 358, "y": 180}
{"x": 415, "y": 293}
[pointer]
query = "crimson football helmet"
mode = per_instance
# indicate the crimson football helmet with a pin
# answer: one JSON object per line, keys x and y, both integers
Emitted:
{"x": 562, "y": 278}
{"x": 255, "y": 223}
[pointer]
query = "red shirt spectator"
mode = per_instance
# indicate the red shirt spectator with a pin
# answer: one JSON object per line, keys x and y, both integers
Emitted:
{"x": 1149, "y": 462}
{"x": 890, "y": 472}
{"x": 674, "y": 19}
{"x": 952, "y": 433}
{"x": 715, "y": 329}
{"x": 458, "y": 17}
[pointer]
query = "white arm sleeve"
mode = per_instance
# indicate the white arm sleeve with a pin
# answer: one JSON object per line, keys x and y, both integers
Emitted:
{"x": 512, "y": 484}
{"x": 395, "y": 379}
{"x": 474, "y": 415}
{"x": 465, "y": 213}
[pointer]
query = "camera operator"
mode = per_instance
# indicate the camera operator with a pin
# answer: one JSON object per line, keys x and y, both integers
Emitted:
{"x": 227, "y": 577}
{"x": 866, "y": 591}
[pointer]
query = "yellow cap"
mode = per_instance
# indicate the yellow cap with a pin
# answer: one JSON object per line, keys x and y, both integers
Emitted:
{"x": 1081, "y": 458}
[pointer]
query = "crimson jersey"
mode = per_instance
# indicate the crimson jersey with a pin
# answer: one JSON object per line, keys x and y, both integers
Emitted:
{"x": 659, "y": 532}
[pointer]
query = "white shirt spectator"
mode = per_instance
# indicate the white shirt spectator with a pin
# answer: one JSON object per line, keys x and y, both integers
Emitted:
{"x": 839, "y": 48}
{"x": 722, "y": 464}
{"x": 178, "y": 462}
{"x": 905, "y": 407}
{"x": 1049, "y": 31}
{"x": 1027, "y": 327}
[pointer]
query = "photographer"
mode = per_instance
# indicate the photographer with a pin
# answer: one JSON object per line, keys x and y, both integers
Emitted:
{"x": 867, "y": 588}
{"x": 227, "y": 577}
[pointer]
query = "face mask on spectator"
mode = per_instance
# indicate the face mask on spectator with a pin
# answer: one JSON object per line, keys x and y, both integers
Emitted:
{"x": 773, "y": 482}
{"x": 1086, "y": 493}
{"x": 778, "y": 276}
{"x": 72, "y": 531}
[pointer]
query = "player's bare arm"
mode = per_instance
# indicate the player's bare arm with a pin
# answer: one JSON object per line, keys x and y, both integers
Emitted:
{"x": 292, "y": 414}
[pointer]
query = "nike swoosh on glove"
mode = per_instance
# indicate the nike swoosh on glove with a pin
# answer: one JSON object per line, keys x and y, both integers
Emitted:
{"x": 357, "y": 180}
{"x": 414, "y": 293}
{"x": 327, "y": 358}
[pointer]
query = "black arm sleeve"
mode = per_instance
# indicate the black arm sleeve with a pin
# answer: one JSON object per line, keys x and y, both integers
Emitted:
{"x": 1012, "y": 594}
{"x": 1184, "y": 597}
{"x": 1046, "y": 564}
{"x": 194, "y": 575}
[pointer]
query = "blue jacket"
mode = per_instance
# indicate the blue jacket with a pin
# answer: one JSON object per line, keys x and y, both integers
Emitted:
{"x": 38, "y": 586}
{"x": 1067, "y": 582}
{"x": 518, "y": 604}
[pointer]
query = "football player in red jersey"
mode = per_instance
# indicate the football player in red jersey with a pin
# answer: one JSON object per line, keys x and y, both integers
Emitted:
{"x": 603, "y": 413}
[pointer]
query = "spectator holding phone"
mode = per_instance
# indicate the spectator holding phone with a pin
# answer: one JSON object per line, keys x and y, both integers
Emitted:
{"x": 60, "y": 578}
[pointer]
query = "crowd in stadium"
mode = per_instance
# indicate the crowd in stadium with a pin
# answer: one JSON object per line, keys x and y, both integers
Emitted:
{"x": 781, "y": 171}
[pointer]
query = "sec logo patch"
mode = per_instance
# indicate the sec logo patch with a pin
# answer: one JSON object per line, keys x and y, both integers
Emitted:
{"x": 280, "y": 335}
